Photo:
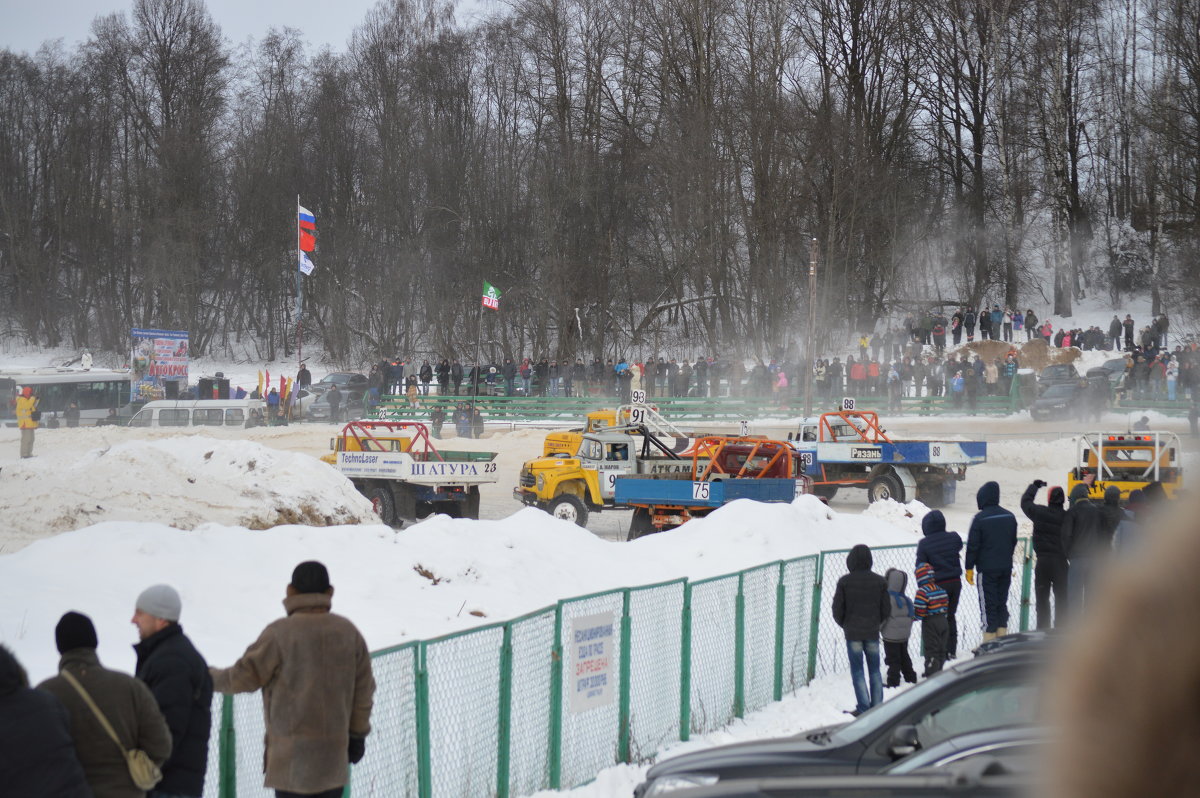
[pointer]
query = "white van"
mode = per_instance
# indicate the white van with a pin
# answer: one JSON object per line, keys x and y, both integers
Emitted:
{"x": 201, "y": 413}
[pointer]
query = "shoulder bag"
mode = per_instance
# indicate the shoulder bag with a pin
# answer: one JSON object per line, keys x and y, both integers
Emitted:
{"x": 142, "y": 770}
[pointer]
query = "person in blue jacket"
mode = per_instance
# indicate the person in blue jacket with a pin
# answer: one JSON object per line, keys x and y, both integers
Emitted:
{"x": 940, "y": 549}
{"x": 991, "y": 541}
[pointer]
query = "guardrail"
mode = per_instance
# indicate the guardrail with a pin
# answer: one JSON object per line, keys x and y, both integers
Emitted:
{"x": 546, "y": 700}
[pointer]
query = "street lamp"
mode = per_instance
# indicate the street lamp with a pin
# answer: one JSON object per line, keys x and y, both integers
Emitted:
{"x": 809, "y": 352}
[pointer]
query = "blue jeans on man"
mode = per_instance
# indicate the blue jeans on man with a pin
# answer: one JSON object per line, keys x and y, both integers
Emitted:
{"x": 857, "y": 651}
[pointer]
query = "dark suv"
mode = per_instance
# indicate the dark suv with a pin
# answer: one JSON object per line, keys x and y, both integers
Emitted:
{"x": 990, "y": 691}
{"x": 1059, "y": 374}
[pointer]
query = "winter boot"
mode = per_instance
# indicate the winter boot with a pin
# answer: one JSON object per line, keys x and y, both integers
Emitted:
{"x": 910, "y": 677}
{"x": 1001, "y": 631}
{"x": 989, "y": 636}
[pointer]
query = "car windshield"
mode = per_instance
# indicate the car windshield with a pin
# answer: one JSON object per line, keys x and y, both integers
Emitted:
{"x": 882, "y": 714}
{"x": 1065, "y": 391}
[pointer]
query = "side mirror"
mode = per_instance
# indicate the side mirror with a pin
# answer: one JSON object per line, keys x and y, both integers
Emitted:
{"x": 904, "y": 741}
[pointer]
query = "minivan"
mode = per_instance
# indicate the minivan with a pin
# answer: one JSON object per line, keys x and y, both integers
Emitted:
{"x": 201, "y": 413}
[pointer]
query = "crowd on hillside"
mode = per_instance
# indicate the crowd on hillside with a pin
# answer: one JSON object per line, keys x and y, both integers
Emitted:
{"x": 909, "y": 361}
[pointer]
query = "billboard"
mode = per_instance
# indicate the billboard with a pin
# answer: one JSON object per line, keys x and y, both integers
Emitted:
{"x": 158, "y": 357}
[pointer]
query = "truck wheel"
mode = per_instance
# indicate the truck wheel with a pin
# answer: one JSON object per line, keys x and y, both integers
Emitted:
{"x": 470, "y": 508}
{"x": 569, "y": 507}
{"x": 825, "y": 491}
{"x": 885, "y": 486}
{"x": 641, "y": 525}
{"x": 382, "y": 503}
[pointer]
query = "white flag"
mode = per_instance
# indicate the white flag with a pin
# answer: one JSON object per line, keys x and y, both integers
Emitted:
{"x": 306, "y": 264}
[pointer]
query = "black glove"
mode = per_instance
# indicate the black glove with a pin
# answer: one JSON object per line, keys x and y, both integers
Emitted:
{"x": 358, "y": 747}
{"x": 1039, "y": 483}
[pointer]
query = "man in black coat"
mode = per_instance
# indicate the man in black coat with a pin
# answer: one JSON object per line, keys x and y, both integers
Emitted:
{"x": 177, "y": 675}
{"x": 1086, "y": 539}
{"x": 1050, "y": 573}
{"x": 990, "y": 545}
{"x": 941, "y": 550}
{"x": 35, "y": 737}
{"x": 860, "y": 606}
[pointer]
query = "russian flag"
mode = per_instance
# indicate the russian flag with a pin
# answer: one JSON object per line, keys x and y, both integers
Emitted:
{"x": 307, "y": 220}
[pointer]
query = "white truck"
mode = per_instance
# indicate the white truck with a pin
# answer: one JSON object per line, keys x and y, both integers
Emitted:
{"x": 397, "y": 467}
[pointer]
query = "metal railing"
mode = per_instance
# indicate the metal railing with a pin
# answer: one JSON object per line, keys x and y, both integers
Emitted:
{"x": 547, "y": 700}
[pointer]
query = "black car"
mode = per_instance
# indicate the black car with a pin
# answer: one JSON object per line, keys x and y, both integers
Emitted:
{"x": 979, "y": 778}
{"x": 344, "y": 380}
{"x": 350, "y": 407}
{"x": 1063, "y": 400}
{"x": 1059, "y": 374}
{"x": 996, "y": 690}
{"x": 1014, "y": 746}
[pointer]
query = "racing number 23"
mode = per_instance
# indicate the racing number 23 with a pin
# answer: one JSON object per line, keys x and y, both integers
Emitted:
{"x": 700, "y": 491}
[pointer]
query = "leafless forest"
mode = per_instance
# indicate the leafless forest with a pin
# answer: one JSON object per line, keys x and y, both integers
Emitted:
{"x": 635, "y": 175}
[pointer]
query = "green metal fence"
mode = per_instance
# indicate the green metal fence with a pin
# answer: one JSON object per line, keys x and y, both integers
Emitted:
{"x": 547, "y": 700}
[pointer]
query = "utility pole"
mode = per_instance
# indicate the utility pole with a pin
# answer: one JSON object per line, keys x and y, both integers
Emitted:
{"x": 809, "y": 348}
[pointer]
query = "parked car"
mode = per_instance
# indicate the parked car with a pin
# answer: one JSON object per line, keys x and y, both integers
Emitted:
{"x": 1063, "y": 400}
{"x": 982, "y": 777}
{"x": 1014, "y": 746}
{"x": 345, "y": 380}
{"x": 991, "y": 691}
{"x": 351, "y": 406}
{"x": 1059, "y": 374}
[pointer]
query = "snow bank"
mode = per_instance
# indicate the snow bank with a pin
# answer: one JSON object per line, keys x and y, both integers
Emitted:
{"x": 428, "y": 579}
{"x": 181, "y": 481}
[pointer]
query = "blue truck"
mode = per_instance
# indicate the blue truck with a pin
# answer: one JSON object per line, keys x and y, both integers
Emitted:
{"x": 849, "y": 449}
{"x": 722, "y": 469}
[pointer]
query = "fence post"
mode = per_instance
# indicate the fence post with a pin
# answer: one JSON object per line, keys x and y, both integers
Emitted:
{"x": 424, "y": 754}
{"x": 623, "y": 730}
{"x": 780, "y": 605}
{"x": 227, "y": 750}
{"x": 1026, "y": 584}
{"x": 556, "y": 691}
{"x": 685, "y": 665}
{"x": 814, "y": 626}
{"x": 739, "y": 649}
{"x": 504, "y": 715}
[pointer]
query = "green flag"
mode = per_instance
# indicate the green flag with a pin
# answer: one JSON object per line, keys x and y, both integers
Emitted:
{"x": 491, "y": 296}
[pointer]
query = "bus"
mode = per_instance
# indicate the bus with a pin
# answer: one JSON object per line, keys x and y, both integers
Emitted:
{"x": 96, "y": 391}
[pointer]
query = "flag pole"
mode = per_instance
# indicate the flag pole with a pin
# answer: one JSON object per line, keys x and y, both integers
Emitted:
{"x": 299, "y": 287}
{"x": 478, "y": 368}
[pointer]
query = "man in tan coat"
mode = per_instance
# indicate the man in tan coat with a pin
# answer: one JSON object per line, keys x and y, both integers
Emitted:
{"x": 315, "y": 673}
{"x": 128, "y": 705}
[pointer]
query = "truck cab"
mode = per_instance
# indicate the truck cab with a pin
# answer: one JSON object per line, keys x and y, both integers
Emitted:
{"x": 1129, "y": 460}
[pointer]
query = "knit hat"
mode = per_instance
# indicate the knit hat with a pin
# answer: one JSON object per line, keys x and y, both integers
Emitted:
{"x": 161, "y": 601}
{"x": 310, "y": 577}
{"x": 74, "y": 630}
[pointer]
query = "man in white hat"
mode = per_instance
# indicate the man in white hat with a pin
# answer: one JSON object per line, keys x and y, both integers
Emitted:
{"x": 178, "y": 677}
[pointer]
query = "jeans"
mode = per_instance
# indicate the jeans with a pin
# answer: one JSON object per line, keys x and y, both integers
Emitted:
{"x": 856, "y": 650}
{"x": 1050, "y": 574}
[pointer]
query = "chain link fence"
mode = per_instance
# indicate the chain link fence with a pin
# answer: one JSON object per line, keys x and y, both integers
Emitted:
{"x": 547, "y": 700}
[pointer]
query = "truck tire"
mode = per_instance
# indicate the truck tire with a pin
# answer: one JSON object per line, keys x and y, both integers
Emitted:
{"x": 826, "y": 492}
{"x": 470, "y": 508}
{"x": 640, "y": 525}
{"x": 569, "y": 507}
{"x": 382, "y": 502}
{"x": 405, "y": 502}
{"x": 885, "y": 486}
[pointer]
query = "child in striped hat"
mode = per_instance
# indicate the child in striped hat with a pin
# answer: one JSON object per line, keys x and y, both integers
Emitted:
{"x": 931, "y": 604}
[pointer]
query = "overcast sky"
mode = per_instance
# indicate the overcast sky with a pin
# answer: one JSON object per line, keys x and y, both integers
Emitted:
{"x": 28, "y": 23}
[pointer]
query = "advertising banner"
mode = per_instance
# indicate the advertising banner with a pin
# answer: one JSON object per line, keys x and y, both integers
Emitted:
{"x": 159, "y": 356}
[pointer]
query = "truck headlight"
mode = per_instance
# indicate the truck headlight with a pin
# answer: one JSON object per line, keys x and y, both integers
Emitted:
{"x": 541, "y": 482}
{"x": 667, "y": 784}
